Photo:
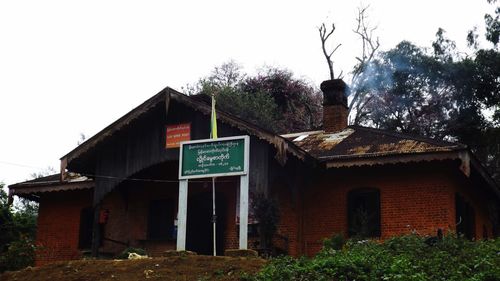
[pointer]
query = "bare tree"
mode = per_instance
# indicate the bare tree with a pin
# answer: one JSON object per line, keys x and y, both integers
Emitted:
{"x": 370, "y": 44}
{"x": 324, "y": 34}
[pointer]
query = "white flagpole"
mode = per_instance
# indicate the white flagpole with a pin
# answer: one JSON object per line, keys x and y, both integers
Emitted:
{"x": 214, "y": 216}
{"x": 213, "y": 135}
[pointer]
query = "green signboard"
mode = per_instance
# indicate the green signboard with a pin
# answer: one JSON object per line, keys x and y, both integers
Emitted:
{"x": 212, "y": 158}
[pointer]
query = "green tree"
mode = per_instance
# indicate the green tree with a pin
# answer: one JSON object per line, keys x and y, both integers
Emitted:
{"x": 298, "y": 102}
{"x": 441, "y": 94}
{"x": 17, "y": 233}
{"x": 406, "y": 93}
{"x": 273, "y": 98}
{"x": 6, "y": 220}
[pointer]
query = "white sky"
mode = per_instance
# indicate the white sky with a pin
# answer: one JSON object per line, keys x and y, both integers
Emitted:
{"x": 71, "y": 67}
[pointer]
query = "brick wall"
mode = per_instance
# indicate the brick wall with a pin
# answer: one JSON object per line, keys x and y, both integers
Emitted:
{"x": 288, "y": 231}
{"x": 127, "y": 224}
{"x": 59, "y": 225}
{"x": 335, "y": 118}
{"x": 413, "y": 197}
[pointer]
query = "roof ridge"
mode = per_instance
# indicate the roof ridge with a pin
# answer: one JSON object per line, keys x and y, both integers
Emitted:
{"x": 410, "y": 136}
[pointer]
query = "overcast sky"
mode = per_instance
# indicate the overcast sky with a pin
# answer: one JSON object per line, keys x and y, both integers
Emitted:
{"x": 71, "y": 67}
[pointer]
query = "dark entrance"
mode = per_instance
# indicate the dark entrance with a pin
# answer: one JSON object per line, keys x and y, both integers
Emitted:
{"x": 465, "y": 217}
{"x": 199, "y": 233}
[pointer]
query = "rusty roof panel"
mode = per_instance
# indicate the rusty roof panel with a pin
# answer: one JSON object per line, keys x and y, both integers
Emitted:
{"x": 357, "y": 141}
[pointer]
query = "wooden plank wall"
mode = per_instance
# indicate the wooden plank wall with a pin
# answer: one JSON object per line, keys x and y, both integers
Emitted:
{"x": 141, "y": 145}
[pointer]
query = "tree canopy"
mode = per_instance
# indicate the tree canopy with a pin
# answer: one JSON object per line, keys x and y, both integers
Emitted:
{"x": 273, "y": 98}
{"x": 442, "y": 93}
{"x": 17, "y": 233}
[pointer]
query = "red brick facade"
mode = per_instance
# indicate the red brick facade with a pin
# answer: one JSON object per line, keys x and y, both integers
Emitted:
{"x": 413, "y": 198}
{"x": 335, "y": 117}
{"x": 59, "y": 225}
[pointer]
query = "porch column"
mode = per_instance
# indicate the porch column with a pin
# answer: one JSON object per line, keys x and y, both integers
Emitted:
{"x": 243, "y": 212}
{"x": 182, "y": 215}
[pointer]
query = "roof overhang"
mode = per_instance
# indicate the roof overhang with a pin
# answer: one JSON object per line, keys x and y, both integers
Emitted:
{"x": 381, "y": 159}
{"x": 33, "y": 188}
{"x": 282, "y": 145}
{"x": 21, "y": 190}
{"x": 467, "y": 162}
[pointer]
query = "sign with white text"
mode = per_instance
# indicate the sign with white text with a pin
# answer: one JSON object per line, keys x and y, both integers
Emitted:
{"x": 214, "y": 157}
{"x": 176, "y": 134}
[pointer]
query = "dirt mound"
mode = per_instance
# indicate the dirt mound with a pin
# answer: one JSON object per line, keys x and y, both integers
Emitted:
{"x": 171, "y": 268}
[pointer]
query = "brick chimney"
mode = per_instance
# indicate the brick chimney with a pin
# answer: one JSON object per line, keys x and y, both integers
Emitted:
{"x": 335, "y": 110}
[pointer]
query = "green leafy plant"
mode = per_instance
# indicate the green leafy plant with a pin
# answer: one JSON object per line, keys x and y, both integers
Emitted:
{"x": 399, "y": 258}
{"x": 267, "y": 214}
{"x": 17, "y": 233}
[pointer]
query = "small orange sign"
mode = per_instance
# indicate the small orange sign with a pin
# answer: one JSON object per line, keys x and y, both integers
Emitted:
{"x": 177, "y": 133}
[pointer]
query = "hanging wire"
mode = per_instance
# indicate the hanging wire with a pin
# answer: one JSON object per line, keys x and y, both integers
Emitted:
{"x": 118, "y": 178}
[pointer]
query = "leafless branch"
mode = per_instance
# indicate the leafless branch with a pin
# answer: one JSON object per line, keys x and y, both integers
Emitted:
{"x": 369, "y": 45}
{"x": 324, "y": 34}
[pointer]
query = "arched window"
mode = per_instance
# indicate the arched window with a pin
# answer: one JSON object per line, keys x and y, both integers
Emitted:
{"x": 363, "y": 213}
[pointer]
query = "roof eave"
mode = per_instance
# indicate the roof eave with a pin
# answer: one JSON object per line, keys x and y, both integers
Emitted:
{"x": 29, "y": 190}
{"x": 115, "y": 126}
{"x": 467, "y": 158}
{"x": 393, "y": 158}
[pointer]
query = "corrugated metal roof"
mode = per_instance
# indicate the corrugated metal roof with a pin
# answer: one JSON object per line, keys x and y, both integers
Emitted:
{"x": 357, "y": 141}
{"x": 51, "y": 183}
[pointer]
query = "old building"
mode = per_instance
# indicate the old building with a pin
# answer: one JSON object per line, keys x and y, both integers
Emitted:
{"x": 120, "y": 188}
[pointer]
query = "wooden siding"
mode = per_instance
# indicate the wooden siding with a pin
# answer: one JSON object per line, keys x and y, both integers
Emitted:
{"x": 141, "y": 145}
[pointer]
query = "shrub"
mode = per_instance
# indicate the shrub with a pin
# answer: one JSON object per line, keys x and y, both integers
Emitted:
{"x": 400, "y": 258}
{"x": 19, "y": 254}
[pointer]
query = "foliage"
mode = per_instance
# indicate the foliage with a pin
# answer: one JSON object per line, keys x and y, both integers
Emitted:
{"x": 399, "y": 258}
{"x": 272, "y": 99}
{"x": 19, "y": 254}
{"x": 17, "y": 233}
{"x": 335, "y": 243}
{"x": 258, "y": 108}
{"x": 267, "y": 214}
{"x": 493, "y": 27}
{"x": 443, "y": 94}
{"x": 440, "y": 95}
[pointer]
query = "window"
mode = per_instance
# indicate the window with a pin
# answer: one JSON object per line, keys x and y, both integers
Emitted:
{"x": 86, "y": 223}
{"x": 363, "y": 212}
{"x": 465, "y": 217}
{"x": 161, "y": 220}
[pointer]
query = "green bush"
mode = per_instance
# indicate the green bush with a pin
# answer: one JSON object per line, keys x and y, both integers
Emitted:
{"x": 17, "y": 232}
{"x": 400, "y": 258}
{"x": 19, "y": 254}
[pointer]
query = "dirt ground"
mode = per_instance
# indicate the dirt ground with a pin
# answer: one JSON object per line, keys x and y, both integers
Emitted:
{"x": 171, "y": 268}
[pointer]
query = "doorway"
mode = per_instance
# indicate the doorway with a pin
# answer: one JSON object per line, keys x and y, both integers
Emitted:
{"x": 199, "y": 231}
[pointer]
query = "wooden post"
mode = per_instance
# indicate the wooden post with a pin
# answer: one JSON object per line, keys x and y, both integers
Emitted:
{"x": 244, "y": 212}
{"x": 182, "y": 215}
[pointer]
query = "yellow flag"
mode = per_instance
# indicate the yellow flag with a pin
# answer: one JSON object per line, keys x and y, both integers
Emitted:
{"x": 213, "y": 121}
